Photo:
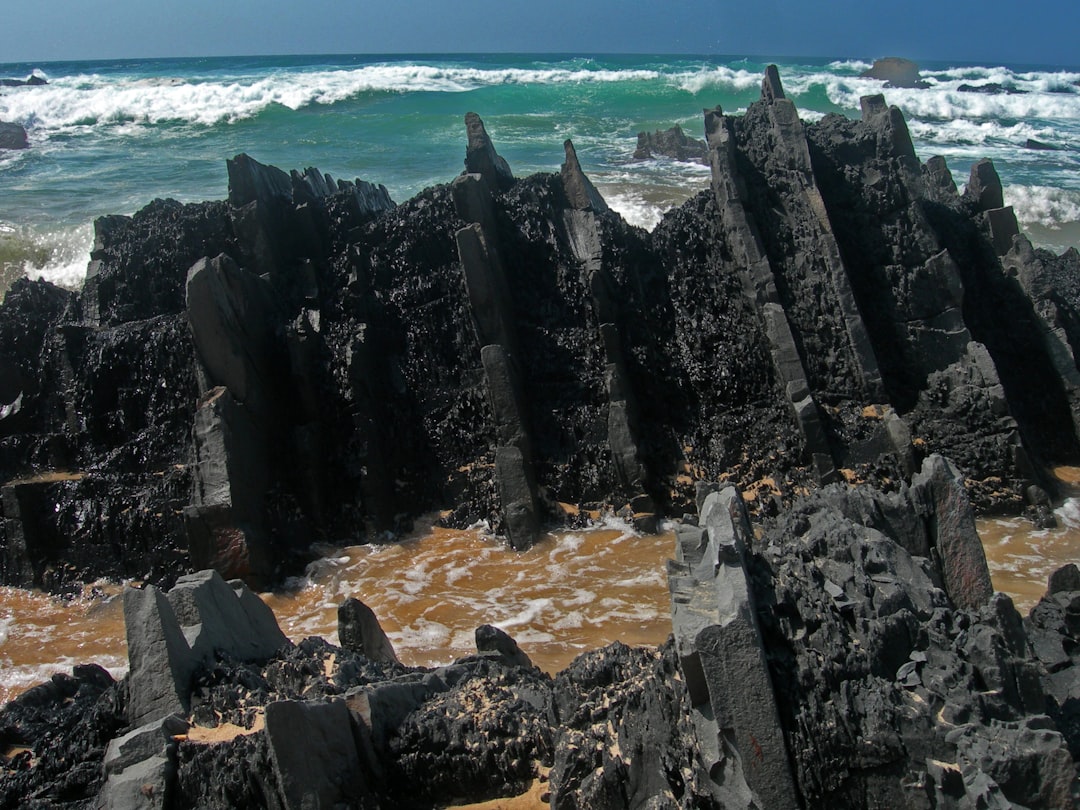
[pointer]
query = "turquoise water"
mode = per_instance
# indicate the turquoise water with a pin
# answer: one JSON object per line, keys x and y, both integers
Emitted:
{"x": 108, "y": 137}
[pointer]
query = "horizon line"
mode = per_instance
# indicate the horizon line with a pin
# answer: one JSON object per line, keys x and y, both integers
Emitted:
{"x": 762, "y": 58}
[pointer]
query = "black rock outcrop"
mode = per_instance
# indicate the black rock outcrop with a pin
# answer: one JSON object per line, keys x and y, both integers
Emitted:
{"x": 33, "y": 80}
{"x": 307, "y": 359}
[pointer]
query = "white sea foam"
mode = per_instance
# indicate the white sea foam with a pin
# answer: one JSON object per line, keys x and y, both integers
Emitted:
{"x": 1052, "y": 208}
{"x": 529, "y": 613}
{"x": 851, "y": 64}
{"x": 1069, "y": 513}
{"x": 720, "y": 77}
{"x": 56, "y": 255}
{"x": 95, "y": 100}
{"x": 944, "y": 100}
{"x": 963, "y": 131}
{"x": 635, "y": 210}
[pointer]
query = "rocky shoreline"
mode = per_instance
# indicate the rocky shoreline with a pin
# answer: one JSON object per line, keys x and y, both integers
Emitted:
{"x": 797, "y": 364}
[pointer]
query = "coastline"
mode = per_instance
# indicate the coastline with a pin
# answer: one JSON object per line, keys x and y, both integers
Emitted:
{"x": 135, "y": 129}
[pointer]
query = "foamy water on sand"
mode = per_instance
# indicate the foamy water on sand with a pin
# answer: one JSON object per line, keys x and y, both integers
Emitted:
{"x": 572, "y": 592}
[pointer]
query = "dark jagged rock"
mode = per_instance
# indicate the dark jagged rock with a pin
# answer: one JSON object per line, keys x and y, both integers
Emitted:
{"x": 493, "y": 348}
{"x": 13, "y": 136}
{"x": 62, "y": 728}
{"x": 672, "y": 143}
{"x": 895, "y": 72}
{"x": 481, "y": 157}
{"x": 359, "y": 631}
{"x": 493, "y": 640}
{"x": 1031, "y": 143}
{"x": 829, "y": 308}
{"x": 626, "y": 737}
{"x": 888, "y": 693}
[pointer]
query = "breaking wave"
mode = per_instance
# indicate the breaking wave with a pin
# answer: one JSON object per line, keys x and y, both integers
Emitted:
{"x": 94, "y": 99}
{"x": 59, "y": 256}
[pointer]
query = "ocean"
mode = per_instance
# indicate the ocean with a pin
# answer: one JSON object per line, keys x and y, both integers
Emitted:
{"x": 107, "y": 137}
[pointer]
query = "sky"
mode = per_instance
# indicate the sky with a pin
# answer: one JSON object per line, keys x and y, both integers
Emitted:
{"x": 999, "y": 31}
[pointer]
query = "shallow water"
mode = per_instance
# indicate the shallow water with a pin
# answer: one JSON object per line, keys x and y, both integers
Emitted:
{"x": 572, "y": 592}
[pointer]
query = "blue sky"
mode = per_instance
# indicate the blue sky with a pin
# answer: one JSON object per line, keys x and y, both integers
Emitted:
{"x": 1030, "y": 32}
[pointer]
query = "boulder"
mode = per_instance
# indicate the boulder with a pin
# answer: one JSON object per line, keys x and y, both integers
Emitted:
{"x": 359, "y": 631}
{"x": 13, "y": 136}
{"x": 491, "y": 639}
{"x": 314, "y": 754}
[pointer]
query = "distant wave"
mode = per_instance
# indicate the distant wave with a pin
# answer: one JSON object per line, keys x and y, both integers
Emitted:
{"x": 966, "y": 132}
{"x": 93, "y": 99}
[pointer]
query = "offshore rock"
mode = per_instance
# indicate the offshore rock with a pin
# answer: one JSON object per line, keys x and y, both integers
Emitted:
{"x": 895, "y": 72}
{"x": 33, "y": 80}
{"x": 672, "y": 143}
{"x": 13, "y": 136}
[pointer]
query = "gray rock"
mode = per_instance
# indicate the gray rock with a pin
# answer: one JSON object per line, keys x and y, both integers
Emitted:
{"x": 581, "y": 194}
{"x": 145, "y": 785}
{"x": 314, "y": 754}
{"x": 723, "y": 659}
{"x": 481, "y": 157}
{"x": 168, "y": 637}
{"x": 13, "y": 136}
{"x": 142, "y": 743}
{"x": 939, "y": 487}
{"x": 359, "y": 630}
{"x": 224, "y": 617}
{"x": 159, "y": 658}
{"x": 984, "y": 191}
{"x": 491, "y": 639}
